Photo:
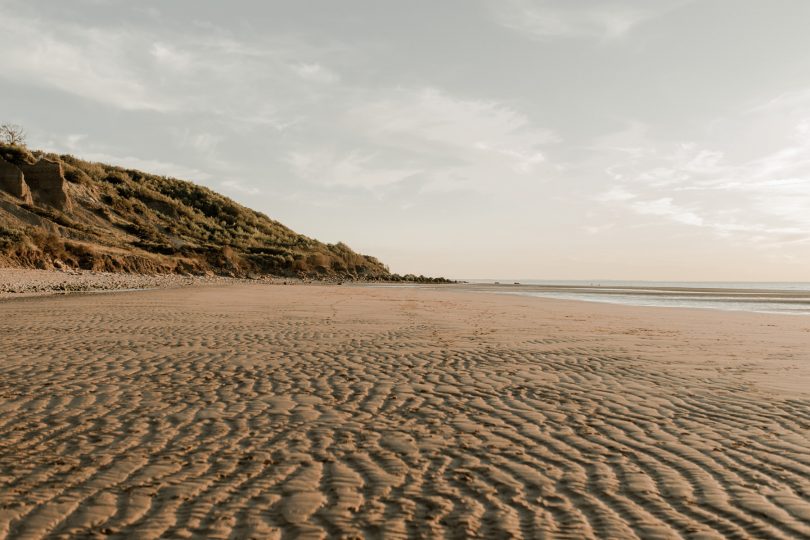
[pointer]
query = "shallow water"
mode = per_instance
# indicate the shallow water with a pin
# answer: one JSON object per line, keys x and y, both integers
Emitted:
{"x": 783, "y": 298}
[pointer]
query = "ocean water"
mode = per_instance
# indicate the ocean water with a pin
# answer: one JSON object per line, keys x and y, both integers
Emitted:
{"x": 761, "y": 297}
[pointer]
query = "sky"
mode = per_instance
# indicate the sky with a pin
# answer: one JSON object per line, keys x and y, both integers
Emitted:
{"x": 545, "y": 139}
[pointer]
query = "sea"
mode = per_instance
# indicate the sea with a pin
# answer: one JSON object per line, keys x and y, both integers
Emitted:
{"x": 760, "y": 297}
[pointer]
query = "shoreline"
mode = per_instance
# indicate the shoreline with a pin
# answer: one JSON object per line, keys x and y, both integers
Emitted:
{"x": 721, "y": 300}
{"x": 27, "y": 283}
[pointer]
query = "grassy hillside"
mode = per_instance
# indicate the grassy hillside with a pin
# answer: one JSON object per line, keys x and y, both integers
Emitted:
{"x": 128, "y": 220}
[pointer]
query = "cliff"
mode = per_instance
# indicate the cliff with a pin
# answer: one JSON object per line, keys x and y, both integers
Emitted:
{"x": 60, "y": 211}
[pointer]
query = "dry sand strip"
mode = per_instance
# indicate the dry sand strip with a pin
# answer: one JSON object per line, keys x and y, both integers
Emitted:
{"x": 24, "y": 282}
{"x": 256, "y": 411}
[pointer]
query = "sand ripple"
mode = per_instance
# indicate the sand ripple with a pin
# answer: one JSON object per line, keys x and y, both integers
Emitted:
{"x": 309, "y": 412}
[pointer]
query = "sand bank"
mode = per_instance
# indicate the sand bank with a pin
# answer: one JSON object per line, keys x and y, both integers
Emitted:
{"x": 312, "y": 411}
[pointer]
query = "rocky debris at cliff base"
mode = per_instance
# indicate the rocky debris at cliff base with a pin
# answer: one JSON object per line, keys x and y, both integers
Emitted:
{"x": 21, "y": 282}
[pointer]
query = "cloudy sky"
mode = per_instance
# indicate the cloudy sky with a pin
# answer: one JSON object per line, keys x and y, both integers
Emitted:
{"x": 587, "y": 139}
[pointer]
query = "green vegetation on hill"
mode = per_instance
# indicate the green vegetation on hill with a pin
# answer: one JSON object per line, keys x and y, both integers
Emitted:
{"x": 127, "y": 220}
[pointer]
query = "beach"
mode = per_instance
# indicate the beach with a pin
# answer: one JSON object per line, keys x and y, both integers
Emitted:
{"x": 27, "y": 282}
{"x": 263, "y": 410}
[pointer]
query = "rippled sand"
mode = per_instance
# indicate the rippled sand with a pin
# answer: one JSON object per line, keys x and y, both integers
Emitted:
{"x": 306, "y": 412}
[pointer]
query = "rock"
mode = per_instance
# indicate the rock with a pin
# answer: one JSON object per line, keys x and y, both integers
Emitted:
{"x": 12, "y": 181}
{"x": 47, "y": 182}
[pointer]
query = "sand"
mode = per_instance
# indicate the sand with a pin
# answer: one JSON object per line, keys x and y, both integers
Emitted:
{"x": 25, "y": 282}
{"x": 265, "y": 411}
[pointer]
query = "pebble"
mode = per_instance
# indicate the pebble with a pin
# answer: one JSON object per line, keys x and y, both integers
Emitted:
{"x": 19, "y": 282}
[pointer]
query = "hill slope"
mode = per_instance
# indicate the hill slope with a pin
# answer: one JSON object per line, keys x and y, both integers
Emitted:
{"x": 61, "y": 211}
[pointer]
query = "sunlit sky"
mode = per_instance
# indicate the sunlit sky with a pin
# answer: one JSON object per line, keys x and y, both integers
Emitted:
{"x": 649, "y": 139}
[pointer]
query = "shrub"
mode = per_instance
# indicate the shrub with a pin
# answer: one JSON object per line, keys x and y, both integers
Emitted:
{"x": 16, "y": 154}
{"x": 75, "y": 175}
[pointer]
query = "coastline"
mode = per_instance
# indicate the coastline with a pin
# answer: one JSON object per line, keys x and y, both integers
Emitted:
{"x": 774, "y": 301}
{"x": 21, "y": 283}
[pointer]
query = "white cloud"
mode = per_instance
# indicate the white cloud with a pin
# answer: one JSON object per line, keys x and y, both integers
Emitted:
{"x": 792, "y": 100}
{"x": 202, "y": 142}
{"x": 84, "y": 62}
{"x": 545, "y": 19}
{"x": 616, "y": 193}
{"x": 431, "y": 115}
{"x": 524, "y": 161}
{"x": 427, "y": 139}
{"x": 171, "y": 57}
{"x": 762, "y": 199}
{"x": 73, "y": 141}
{"x": 353, "y": 170}
{"x": 315, "y": 72}
{"x": 665, "y": 207}
{"x": 598, "y": 229}
{"x": 461, "y": 143}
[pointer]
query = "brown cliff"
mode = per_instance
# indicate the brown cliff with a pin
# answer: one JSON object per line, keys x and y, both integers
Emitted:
{"x": 12, "y": 181}
{"x": 95, "y": 216}
{"x": 46, "y": 180}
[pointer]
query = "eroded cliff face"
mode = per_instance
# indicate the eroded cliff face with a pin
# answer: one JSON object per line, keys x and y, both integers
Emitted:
{"x": 12, "y": 181}
{"x": 47, "y": 182}
{"x": 41, "y": 183}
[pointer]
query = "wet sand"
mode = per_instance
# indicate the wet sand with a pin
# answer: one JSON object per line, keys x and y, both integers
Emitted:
{"x": 270, "y": 411}
{"x": 793, "y": 299}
